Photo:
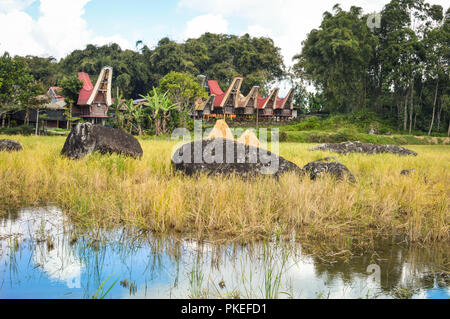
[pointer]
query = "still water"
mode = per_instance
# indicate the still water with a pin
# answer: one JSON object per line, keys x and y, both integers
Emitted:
{"x": 43, "y": 256}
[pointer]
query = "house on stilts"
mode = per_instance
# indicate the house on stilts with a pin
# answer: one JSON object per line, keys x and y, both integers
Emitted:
{"x": 233, "y": 104}
{"x": 94, "y": 101}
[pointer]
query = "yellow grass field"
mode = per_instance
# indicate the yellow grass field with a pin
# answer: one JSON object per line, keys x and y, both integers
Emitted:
{"x": 112, "y": 190}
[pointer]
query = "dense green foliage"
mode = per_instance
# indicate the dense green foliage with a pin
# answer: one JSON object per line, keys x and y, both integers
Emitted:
{"x": 400, "y": 69}
{"x": 183, "y": 89}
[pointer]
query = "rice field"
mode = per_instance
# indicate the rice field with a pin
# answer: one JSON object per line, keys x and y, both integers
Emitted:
{"x": 112, "y": 190}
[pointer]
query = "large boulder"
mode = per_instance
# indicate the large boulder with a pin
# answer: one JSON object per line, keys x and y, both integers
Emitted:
{"x": 86, "y": 138}
{"x": 319, "y": 168}
{"x": 225, "y": 156}
{"x": 367, "y": 148}
{"x": 10, "y": 146}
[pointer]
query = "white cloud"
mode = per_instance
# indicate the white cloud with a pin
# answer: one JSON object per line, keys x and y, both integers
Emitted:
{"x": 14, "y": 5}
{"x": 122, "y": 42}
{"x": 259, "y": 31}
{"x": 205, "y": 23}
{"x": 59, "y": 29}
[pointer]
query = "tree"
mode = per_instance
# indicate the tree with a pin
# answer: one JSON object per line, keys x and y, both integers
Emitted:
{"x": 15, "y": 83}
{"x": 71, "y": 87}
{"x": 132, "y": 71}
{"x": 44, "y": 70}
{"x": 301, "y": 98}
{"x": 37, "y": 103}
{"x": 183, "y": 89}
{"x": 336, "y": 57}
{"x": 437, "y": 42}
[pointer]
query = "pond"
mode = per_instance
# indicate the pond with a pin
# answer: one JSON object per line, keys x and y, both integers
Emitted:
{"x": 43, "y": 256}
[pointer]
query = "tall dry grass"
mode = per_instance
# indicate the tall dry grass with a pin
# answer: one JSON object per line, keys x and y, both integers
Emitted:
{"x": 103, "y": 191}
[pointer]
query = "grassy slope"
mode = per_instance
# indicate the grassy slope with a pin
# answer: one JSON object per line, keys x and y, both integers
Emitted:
{"x": 111, "y": 190}
{"x": 353, "y": 127}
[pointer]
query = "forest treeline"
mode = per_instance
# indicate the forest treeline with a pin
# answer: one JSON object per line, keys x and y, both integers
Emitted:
{"x": 397, "y": 69}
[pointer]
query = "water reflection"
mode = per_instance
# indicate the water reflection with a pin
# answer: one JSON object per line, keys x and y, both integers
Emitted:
{"x": 43, "y": 256}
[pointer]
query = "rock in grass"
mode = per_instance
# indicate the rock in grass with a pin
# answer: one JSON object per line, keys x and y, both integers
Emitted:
{"x": 320, "y": 168}
{"x": 407, "y": 171}
{"x": 86, "y": 138}
{"x": 10, "y": 146}
{"x": 367, "y": 148}
{"x": 224, "y": 156}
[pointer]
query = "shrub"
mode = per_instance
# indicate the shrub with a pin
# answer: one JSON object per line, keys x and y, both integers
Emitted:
{"x": 309, "y": 123}
{"x": 18, "y": 130}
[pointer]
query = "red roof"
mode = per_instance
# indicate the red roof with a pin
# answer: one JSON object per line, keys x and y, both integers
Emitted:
{"x": 280, "y": 102}
{"x": 261, "y": 101}
{"x": 86, "y": 90}
{"x": 215, "y": 89}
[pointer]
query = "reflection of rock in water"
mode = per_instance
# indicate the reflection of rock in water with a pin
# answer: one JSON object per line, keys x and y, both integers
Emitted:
{"x": 59, "y": 262}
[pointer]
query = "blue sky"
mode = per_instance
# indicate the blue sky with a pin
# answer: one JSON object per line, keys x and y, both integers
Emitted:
{"x": 57, "y": 27}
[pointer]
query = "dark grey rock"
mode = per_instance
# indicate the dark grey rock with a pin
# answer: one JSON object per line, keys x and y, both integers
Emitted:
{"x": 328, "y": 159}
{"x": 222, "y": 156}
{"x": 367, "y": 148}
{"x": 10, "y": 146}
{"x": 336, "y": 169}
{"x": 407, "y": 171}
{"x": 86, "y": 138}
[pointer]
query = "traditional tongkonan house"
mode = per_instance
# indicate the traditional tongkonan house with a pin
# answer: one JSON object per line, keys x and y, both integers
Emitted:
{"x": 220, "y": 104}
{"x": 94, "y": 101}
{"x": 267, "y": 105}
{"x": 233, "y": 103}
{"x": 284, "y": 107}
{"x": 248, "y": 104}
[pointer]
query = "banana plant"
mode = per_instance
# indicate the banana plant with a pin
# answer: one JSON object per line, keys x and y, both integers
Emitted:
{"x": 134, "y": 116}
{"x": 160, "y": 106}
{"x": 120, "y": 118}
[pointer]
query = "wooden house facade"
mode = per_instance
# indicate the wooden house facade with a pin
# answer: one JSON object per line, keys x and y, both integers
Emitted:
{"x": 94, "y": 101}
{"x": 233, "y": 104}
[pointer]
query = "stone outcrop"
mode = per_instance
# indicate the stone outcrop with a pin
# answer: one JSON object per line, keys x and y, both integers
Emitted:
{"x": 319, "y": 168}
{"x": 225, "y": 156}
{"x": 366, "y": 148}
{"x": 10, "y": 146}
{"x": 86, "y": 138}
